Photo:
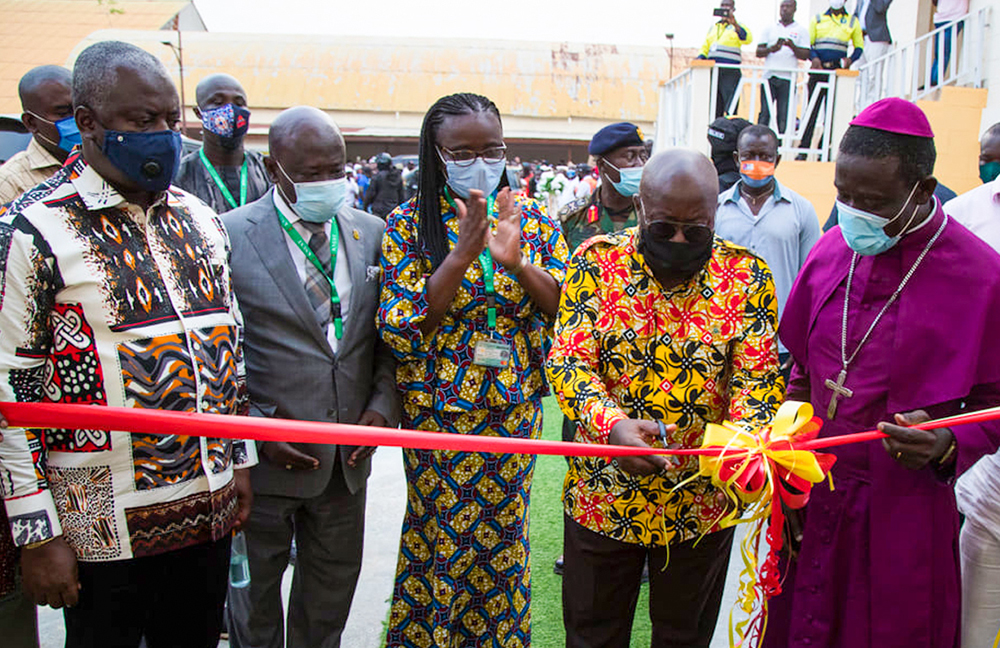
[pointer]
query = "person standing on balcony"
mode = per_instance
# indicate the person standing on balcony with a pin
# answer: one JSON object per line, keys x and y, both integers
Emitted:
{"x": 722, "y": 45}
{"x": 877, "y": 40}
{"x": 782, "y": 46}
{"x": 831, "y": 35}
{"x": 946, "y": 11}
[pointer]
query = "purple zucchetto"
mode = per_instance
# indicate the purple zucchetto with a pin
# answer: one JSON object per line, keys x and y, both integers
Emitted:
{"x": 895, "y": 115}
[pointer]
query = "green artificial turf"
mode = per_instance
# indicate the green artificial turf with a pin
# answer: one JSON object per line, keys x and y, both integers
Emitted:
{"x": 546, "y": 545}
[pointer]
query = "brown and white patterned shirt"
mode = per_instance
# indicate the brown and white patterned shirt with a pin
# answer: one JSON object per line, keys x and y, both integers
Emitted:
{"x": 104, "y": 303}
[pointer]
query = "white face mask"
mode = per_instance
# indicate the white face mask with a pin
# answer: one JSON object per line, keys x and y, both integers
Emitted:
{"x": 837, "y": 5}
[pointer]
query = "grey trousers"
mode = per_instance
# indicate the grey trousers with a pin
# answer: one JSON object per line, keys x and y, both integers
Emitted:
{"x": 329, "y": 534}
{"x": 18, "y": 621}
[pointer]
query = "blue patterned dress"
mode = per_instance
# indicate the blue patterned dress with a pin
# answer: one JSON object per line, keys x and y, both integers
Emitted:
{"x": 463, "y": 576}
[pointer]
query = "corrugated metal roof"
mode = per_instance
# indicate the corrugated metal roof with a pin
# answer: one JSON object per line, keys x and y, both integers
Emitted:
{"x": 45, "y": 32}
{"x": 385, "y": 75}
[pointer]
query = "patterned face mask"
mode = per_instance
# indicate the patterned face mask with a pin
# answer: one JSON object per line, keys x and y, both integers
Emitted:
{"x": 230, "y": 123}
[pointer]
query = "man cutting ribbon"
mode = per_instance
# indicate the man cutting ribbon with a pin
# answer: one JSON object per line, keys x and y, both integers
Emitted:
{"x": 223, "y": 172}
{"x": 660, "y": 323}
{"x": 879, "y": 335}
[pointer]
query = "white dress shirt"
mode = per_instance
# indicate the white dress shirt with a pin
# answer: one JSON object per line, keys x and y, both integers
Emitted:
{"x": 979, "y": 210}
{"x": 341, "y": 270}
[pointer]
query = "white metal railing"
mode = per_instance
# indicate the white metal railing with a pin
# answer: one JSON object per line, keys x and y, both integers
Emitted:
{"x": 678, "y": 104}
{"x": 950, "y": 55}
{"x": 754, "y": 88}
{"x": 673, "y": 114}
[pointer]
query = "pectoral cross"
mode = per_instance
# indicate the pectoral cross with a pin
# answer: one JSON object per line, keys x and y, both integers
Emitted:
{"x": 838, "y": 391}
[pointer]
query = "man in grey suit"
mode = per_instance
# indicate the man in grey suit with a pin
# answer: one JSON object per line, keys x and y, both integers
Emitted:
{"x": 305, "y": 269}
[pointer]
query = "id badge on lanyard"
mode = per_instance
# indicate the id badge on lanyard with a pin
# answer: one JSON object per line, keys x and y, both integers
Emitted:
{"x": 492, "y": 352}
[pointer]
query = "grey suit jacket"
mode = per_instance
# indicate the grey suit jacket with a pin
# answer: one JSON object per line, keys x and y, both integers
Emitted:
{"x": 876, "y": 22}
{"x": 291, "y": 370}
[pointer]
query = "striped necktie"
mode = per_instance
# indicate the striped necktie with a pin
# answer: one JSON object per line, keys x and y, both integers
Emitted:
{"x": 317, "y": 286}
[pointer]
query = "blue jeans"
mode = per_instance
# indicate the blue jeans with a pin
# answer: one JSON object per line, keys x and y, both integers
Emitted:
{"x": 947, "y": 49}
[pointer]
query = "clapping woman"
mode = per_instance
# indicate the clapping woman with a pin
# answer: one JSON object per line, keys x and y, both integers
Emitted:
{"x": 470, "y": 285}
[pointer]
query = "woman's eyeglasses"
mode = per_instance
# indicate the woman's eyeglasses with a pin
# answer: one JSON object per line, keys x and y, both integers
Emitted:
{"x": 465, "y": 157}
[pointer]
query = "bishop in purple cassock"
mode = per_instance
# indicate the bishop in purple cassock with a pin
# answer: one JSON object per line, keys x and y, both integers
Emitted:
{"x": 878, "y": 562}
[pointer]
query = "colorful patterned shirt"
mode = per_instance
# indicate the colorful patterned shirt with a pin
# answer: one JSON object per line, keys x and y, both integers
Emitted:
{"x": 104, "y": 303}
{"x": 437, "y": 371}
{"x": 702, "y": 352}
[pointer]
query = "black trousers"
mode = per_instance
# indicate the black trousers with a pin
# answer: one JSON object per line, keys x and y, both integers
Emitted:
{"x": 780, "y": 91}
{"x": 807, "y": 134}
{"x": 601, "y": 586}
{"x": 174, "y": 599}
{"x": 729, "y": 81}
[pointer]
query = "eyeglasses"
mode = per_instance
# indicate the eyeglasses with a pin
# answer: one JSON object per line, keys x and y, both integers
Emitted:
{"x": 694, "y": 233}
{"x": 465, "y": 157}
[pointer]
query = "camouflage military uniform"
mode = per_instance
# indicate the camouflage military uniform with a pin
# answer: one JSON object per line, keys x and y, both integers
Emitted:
{"x": 586, "y": 217}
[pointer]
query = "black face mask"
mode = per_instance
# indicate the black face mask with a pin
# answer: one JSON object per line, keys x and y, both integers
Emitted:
{"x": 671, "y": 261}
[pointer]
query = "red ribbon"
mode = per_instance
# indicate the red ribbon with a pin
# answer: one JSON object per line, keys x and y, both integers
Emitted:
{"x": 141, "y": 421}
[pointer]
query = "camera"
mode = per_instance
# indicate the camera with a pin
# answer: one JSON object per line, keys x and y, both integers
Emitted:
{"x": 721, "y": 12}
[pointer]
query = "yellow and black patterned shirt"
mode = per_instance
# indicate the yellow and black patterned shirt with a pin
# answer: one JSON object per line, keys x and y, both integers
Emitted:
{"x": 699, "y": 353}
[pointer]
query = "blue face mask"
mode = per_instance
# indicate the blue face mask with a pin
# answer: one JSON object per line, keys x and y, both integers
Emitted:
{"x": 481, "y": 175}
{"x": 864, "y": 232}
{"x": 628, "y": 180}
{"x": 756, "y": 183}
{"x": 69, "y": 134}
{"x": 148, "y": 159}
{"x": 319, "y": 201}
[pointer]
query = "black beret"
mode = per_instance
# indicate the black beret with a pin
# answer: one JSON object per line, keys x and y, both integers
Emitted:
{"x": 724, "y": 132}
{"x": 615, "y": 136}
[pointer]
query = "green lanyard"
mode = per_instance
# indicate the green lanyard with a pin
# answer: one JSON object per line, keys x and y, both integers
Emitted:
{"x": 489, "y": 267}
{"x": 222, "y": 185}
{"x": 338, "y": 322}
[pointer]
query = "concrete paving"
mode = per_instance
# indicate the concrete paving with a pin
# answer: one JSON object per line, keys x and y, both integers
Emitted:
{"x": 386, "y": 505}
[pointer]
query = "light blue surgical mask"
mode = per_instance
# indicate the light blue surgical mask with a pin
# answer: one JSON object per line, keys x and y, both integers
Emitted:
{"x": 864, "y": 232}
{"x": 69, "y": 134}
{"x": 319, "y": 201}
{"x": 481, "y": 175}
{"x": 628, "y": 180}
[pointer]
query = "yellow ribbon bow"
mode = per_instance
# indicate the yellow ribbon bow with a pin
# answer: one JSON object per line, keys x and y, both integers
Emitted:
{"x": 752, "y": 468}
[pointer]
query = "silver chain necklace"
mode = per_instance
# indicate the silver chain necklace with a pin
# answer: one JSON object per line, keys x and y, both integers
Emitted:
{"x": 837, "y": 387}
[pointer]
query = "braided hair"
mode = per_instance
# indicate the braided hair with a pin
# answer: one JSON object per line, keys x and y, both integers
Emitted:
{"x": 432, "y": 232}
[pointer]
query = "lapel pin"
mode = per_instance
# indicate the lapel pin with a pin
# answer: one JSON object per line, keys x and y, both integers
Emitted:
{"x": 357, "y": 235}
